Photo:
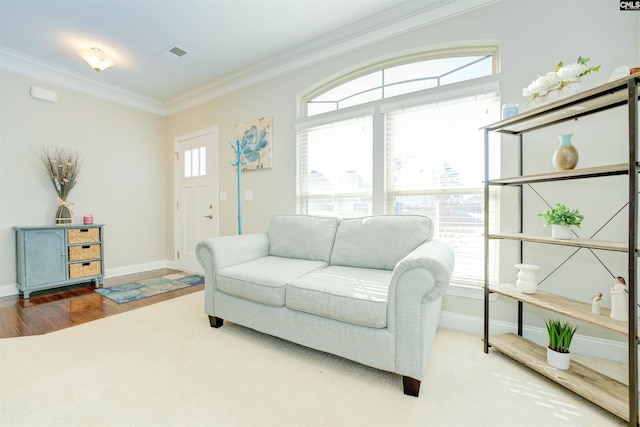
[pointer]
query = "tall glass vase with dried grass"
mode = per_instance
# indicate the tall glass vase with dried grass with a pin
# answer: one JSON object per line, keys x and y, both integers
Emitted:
{"x": 62, "y": 165}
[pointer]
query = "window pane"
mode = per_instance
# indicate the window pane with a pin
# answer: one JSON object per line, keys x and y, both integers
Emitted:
{"x": 187, "y": 163}
{"x": 361, "y": 98}
{"x": 435, "y": 167}
{"x": 314, "y": 108}
{"x": 458, "y": 219}
{"x": 341, "y": 207}
{"x": 430, "y": 68}
{"x": 203, "y": 161}
{"x": 437, "y": 146}
{"x": 408, "y": 87}
{"x": 360, "y": 84}
{"x": 422, "y": 69}
{"x": 195, "y": 165}
{"x": 479, "y": 69}
{"x": 335, "y": 163}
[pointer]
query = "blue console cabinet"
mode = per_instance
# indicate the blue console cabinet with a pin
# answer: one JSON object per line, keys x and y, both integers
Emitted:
{"x": 60, "y": 255}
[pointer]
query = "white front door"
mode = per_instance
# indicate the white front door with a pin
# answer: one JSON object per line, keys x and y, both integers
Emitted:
{"x": 196, "y": 187}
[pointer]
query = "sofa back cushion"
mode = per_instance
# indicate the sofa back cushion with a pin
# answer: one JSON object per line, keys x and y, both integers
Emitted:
{"x": 302, "y": 237}
{"x": 379, "y": 241}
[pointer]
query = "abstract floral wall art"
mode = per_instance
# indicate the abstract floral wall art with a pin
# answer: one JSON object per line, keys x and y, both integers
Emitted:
{"x": 258, "y": 137}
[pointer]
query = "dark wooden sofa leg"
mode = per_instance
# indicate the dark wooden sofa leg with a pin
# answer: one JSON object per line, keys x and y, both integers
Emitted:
{"x": 411, "y": 386}
{"x": 216, "y": 322}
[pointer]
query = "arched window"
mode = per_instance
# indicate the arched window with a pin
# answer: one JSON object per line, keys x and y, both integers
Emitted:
{"x": 398, "y": 78}
{"x": 404, "y": 138}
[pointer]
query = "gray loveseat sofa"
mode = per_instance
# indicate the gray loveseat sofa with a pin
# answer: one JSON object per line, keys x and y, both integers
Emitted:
{"x": 366, "y": 289}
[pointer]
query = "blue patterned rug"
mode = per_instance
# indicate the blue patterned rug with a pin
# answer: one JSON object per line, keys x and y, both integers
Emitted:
{"x": 128, "y": 292}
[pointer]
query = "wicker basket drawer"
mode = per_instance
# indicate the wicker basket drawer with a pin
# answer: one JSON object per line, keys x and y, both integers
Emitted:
{"x": 79, "y": 253}
{"x": 84, "y": 269}
{"x": 83, "y": 235}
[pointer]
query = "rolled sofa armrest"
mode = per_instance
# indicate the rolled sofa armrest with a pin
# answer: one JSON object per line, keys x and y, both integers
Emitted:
{"x": 217, "y": 253}
{"x": 418, "y": 283}
{"x": 438, "y": 257}
{"x": 422, "y": 276}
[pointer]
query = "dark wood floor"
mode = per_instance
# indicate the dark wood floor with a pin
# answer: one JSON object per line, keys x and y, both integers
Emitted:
{"x": 54, "y": 309}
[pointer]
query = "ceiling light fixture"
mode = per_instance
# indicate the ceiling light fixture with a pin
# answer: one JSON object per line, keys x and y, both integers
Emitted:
{"x": 97, "y": 58}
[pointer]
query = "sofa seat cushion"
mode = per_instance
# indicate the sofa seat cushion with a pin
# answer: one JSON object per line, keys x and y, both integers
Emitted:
{"x": 263, "y": 280}
{"x": 347, "y": 294}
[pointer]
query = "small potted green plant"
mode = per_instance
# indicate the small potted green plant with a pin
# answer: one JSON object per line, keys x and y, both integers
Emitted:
{"x": 561, "y": 218}
{"x": 560, "y": 336}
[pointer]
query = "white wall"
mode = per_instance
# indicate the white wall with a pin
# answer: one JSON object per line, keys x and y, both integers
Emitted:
{"x": 122, "y": 182}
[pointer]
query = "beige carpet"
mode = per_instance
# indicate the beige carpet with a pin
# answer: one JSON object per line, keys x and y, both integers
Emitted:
{"x": 163, "y": 365}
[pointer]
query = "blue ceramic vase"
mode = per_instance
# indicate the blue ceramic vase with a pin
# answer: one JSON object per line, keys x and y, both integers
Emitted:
{"x": 566, "y": 155}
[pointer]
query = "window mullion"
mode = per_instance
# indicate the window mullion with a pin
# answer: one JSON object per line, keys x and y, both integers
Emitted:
{"x": 378, "y": 164}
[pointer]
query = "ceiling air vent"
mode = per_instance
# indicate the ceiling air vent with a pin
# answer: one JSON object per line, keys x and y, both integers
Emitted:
{"x": 173, "y": 53}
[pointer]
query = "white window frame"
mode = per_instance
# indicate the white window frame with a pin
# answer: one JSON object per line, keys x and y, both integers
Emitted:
{"x": 378, "y": 109}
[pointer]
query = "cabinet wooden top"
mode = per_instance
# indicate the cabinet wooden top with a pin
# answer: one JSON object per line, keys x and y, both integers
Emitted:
{"x": 59, "y": 227}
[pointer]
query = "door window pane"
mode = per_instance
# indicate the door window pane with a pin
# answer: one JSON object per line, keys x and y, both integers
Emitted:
{"x": 187, "y": 163}
{"x": 195, "y": 162}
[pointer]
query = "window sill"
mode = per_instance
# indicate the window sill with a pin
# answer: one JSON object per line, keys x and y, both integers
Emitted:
{"x": 466, "y": 291}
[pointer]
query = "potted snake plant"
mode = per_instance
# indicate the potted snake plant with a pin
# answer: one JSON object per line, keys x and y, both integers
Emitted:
{"x": 560, "y": 336}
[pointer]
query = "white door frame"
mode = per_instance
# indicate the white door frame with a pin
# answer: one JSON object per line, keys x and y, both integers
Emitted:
{"x": 213, "y": 176}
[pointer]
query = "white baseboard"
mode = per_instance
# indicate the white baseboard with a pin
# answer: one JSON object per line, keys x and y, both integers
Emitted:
{"x": 581, "y": 344}
{"x": 12, "y": 289}
{"x": 8, "y": 290}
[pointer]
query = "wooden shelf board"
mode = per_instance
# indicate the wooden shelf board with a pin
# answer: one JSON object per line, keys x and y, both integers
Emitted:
{"x": 600, "y": 98}
{"x": 593, "y": 172}
{"x": 565, "y": 306}
{"x": 605, "y": 392}
{"x": 578, "y": 243}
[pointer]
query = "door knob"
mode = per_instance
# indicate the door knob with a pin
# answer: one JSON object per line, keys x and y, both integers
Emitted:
{"x": 209, "y": 216}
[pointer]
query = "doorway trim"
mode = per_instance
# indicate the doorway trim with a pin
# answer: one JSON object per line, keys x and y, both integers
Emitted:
{"x": 213, "y": 177}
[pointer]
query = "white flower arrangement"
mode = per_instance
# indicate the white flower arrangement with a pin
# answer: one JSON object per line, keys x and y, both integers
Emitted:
{"x": 562, "y": 76}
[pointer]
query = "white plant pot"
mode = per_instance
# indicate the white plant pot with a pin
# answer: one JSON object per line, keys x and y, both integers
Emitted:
{"x": 558, "y": 360}
{"x": 527, "y": 282}
{"x": 561, "y": 232}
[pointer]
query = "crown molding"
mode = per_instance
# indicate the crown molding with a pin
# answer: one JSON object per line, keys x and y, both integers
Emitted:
{"x": 28, "y": 66}
{"x": 408, "y": 16}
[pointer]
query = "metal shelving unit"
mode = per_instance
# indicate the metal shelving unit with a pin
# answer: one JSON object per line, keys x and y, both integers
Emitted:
{"x": 616, "y": 397}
